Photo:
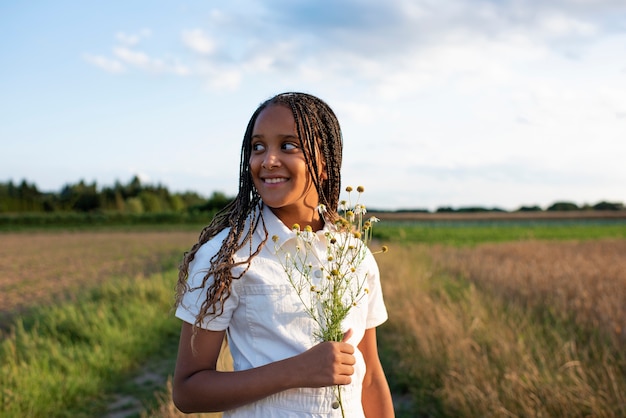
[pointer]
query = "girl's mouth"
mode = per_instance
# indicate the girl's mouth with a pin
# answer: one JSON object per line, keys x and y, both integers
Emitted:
{"x": 275, "y": 180}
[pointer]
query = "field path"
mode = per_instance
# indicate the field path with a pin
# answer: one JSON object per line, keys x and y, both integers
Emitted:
{"x": 36, "y": 268}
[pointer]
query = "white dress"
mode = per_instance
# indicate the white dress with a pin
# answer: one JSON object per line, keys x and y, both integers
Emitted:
{"x": 266, "y": 322}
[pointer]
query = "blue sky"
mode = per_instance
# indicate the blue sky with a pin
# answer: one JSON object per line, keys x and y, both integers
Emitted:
{"x": 456, "y": 103}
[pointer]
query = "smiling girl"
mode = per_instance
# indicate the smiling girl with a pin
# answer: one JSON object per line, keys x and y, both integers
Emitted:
{"x": 232, "y": 283}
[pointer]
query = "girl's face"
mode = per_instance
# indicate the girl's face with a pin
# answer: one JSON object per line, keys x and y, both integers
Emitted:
{"x": 278, "y": 167}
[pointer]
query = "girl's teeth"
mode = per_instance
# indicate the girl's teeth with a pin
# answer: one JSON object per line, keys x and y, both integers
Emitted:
{"x": 272, "y": 181}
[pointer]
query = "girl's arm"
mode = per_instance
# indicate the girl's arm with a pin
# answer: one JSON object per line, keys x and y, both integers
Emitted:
{"x": 199, "y": 387}
{"x": 376, "y": 397}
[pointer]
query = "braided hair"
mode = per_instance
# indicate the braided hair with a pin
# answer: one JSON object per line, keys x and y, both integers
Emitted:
{"x": 321, "y": 141}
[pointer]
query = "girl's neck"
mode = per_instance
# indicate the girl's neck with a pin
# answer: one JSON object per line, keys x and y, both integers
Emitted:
{"x": 310, "y": 216}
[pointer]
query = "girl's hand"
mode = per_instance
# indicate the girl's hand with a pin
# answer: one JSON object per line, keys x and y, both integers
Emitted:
{"x": 199, "y": 387}
{"x": 327, "y": 364}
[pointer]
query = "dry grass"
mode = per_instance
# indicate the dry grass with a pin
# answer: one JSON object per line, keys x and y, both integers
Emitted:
{"x": 462, "y": 351}
{"x": 37, "y": 268}
{"x": 583, "y": 280}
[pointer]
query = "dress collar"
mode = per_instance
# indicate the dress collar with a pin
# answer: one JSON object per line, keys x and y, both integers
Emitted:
{"x": 276, "y": 228}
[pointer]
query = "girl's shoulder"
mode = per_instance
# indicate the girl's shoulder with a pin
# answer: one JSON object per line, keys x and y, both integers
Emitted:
{"x": 211, "y": 247}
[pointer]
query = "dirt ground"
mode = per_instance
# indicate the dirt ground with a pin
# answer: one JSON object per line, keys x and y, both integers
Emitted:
{"x": 36, "y": 268}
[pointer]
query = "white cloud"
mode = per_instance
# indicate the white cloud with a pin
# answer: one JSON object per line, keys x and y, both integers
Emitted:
{"x": 107, "y": 64}
{"x": 133, "y": 38}
{"x": 223, "y": 80}
{"x": 129, "y": 56}
{"x": 198, "y": 41}
{"x": 561, "y": 25}
{"x": 143, "y": 61}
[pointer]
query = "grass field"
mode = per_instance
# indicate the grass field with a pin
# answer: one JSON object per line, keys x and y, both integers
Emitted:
{"x": 475, "y": 230}
{"x": 528, "y": 329}
{"x": 479, "y": 326}
{"x": 37, "y": 268}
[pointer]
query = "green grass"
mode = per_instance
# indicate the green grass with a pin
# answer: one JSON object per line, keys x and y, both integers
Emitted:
{"x": 471, "y": 233}
{"x": 65, "y": 360}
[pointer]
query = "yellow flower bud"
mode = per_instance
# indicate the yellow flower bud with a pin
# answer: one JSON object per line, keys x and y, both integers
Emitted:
{"x": 349, "y": 189}
{"x": 360, "y": 189}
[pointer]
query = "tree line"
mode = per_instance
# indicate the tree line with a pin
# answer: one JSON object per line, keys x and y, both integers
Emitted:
{"x": 138, "y": 198}
{"x": 557, "y": 206}
{"x": 134, "y": 197}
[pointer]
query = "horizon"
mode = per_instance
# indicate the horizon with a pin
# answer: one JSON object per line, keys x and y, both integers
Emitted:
{"x": 467, "y": 103}
{"x": 437, "y": 209}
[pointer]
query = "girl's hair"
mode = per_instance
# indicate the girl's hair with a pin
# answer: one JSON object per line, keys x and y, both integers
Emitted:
{"x": 320, "y": 138}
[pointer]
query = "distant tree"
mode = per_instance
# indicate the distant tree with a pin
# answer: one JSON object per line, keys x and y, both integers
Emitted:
{"x": 80, "y": 197}
{"x": 134, "y": 205}
{"x": 151, "y": 202}
{"x": 24, "y": 197}
{"x": 177, "y": 203}
{"x": 192, "y": 199}
{"x": 417, "y": 210}
{"x": 133, "y": 188}
{"x": 529, "y": 209}
{"x": 49, "y": 202}
{"x": 108, "y": 199}
{"x": 563, "y": 206}
{"x": 217, "y": 201}
{"x": 444, "y": 209}
{"x": 120, "y": 204}
{"x": 88, "y": 199}
{"x": 471, "y": 209}
{"x": 608, "y": 206}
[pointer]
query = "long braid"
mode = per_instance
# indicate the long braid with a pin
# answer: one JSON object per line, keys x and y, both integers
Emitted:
{"x": 320, "y": 138}
{"x": 319, "y": 132}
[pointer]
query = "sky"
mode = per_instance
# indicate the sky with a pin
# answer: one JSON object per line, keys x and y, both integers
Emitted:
{"x": 460, "y": 103}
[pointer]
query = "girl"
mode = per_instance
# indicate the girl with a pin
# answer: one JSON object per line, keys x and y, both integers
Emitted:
{"x": 232, "y": 283}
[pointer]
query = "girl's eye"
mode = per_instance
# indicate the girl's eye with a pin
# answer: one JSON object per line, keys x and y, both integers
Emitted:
{"x": 257, "y": 147}
{"x": 290, "y": 146}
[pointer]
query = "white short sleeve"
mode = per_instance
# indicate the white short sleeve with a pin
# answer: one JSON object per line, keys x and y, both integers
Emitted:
{"x": 377, "y": 311}
{"x": 193, "y": 299}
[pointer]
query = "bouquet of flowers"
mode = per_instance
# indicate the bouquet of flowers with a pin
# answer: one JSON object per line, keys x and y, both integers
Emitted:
{"x": 328, "y": 284}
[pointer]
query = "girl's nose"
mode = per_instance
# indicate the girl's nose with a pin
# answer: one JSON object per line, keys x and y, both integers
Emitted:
{"x": 270, "y": 161}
